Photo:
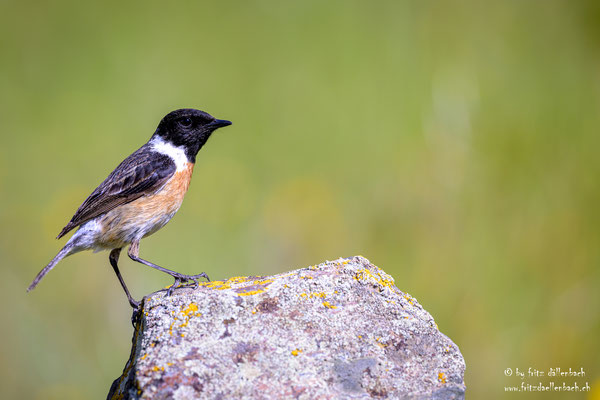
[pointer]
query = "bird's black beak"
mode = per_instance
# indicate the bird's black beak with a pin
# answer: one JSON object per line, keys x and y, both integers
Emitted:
{"x": 219, "y": 123}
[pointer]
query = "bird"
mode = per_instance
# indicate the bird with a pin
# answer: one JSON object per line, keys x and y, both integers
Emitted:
{"x": 140, "y": 196}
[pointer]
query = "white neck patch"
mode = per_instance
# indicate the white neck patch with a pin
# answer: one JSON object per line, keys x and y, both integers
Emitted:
{"x": 176, "y": 153}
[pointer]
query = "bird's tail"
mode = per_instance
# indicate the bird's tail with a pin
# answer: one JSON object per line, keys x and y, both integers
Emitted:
{"x": 65, "y": 251}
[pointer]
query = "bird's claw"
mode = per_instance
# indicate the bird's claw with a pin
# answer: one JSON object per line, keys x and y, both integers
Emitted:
{"x": 180, "y": 281}
{"x": 136, "y": 315}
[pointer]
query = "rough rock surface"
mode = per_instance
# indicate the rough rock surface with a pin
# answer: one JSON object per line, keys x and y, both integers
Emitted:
{"x": 340, "y": 329}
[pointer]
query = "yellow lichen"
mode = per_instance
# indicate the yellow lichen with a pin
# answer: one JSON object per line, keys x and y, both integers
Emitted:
{"x": 365, "y": 275}
{"x": 251, "y": 292}
{"x": 296, "y": 352}
{"x": 237, "y": 279}
{"x": 326, "y": 304}
{"x": 263, "y": 282}
{"x": 315, "y": 294}
{"x": 214, "y": 284}
{"x": 190, "y": 311}
{"x": 442, "y": 377}
{"x": 192, "y": 308}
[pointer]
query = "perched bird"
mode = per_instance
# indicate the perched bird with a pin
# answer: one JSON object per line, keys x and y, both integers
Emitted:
{"x": 141, "y": 195}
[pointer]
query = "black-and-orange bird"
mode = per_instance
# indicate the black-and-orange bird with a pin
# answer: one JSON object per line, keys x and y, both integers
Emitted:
{"x": 141, "y": 195}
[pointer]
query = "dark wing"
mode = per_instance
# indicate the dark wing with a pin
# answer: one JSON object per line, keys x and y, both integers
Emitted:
{"x": 141, "y": 173}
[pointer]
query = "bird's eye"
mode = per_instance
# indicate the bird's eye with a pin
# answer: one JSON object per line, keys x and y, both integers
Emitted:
{"x": 185, "y": 122}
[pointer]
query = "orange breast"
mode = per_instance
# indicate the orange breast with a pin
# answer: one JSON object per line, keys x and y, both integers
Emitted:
{"x": 169, "y": 198}
{"x": 146, "y": 215}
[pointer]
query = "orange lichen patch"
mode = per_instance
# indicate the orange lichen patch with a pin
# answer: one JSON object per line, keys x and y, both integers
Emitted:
{"x": 207, "y": 284}
{"x": 222, "y": 285}
{"x": 410, "y": 299}
{"x": 157, "y": 368}
{"x": 315, "y": 294}
{"x": 285, "y": 275}
{"x": 237, "y": 279}
{"x": 379, "y": 343}
{"x": 442, "y": 377}
{"x": 258, "y": 286}
{"x": 251, "y": 292}
{"x": 219, "y": 285}
{"x": 191, "y": 310}
{"x": 263, "y": 282}
{"x": 383, "y": 281}
{"x": 326, "y": 304}
{"x": 144, "y": 356}
{"x": 296, "y": 352}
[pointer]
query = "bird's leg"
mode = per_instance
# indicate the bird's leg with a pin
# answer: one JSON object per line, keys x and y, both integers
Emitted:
{"x": 133, "y": 253}
{"x": 114, "y": 258}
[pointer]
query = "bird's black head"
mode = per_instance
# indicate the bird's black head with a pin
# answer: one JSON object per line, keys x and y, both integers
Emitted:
{"x": 188, "y": 128}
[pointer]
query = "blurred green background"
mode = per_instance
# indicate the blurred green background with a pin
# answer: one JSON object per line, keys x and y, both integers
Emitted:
{"x": 454, "y": 144}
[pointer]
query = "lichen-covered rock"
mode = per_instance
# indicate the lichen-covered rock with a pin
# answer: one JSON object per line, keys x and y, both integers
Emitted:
{"x": 340, "y": 329}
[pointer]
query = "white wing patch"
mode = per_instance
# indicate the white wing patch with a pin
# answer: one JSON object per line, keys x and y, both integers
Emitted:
{"x": 175, "y": 152}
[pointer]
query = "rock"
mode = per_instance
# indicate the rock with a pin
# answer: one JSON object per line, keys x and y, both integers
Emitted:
{"x": 340, "y": 329}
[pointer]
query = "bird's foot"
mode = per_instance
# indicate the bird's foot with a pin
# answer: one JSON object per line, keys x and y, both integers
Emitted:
{"x": 181, "y": 280}
{"x": 137, "y": 312}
